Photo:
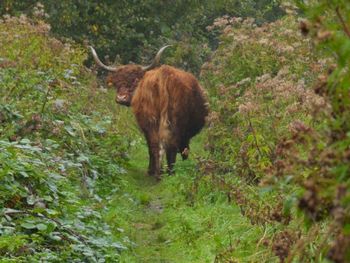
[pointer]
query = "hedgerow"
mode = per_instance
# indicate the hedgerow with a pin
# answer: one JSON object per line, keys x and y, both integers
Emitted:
{"x": 327, "y": 189}
{"x": 61, "y": 150}
{"x": 267, "y": 126}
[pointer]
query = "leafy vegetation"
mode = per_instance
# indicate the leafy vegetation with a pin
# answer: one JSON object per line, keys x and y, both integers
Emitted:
{"x": 263, "y": 109}
{"x": 329, "y": 27}
{"x": 267, "y": 180}
{"x": 133, "y": 30}
{"x": 58, "y": 138}
{"x": 278, "y": 127}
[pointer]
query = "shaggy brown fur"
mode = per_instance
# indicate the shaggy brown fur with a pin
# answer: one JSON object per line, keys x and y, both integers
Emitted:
{"x": 169, "y": 106}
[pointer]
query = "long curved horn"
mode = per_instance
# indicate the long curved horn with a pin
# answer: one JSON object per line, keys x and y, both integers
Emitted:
{"x": 99, "y": 62}
{"x": 156, "y": 60}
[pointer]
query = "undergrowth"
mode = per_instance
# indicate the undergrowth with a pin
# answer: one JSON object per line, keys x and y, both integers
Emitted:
{"x": 62, "y": 142}
{"x": 270, "y": 185}
{"x": 266, "y": 126}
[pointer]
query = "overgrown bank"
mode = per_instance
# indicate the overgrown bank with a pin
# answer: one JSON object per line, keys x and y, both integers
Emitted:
{"x": 276, "y": 130}
{"x": 62, "y": 149}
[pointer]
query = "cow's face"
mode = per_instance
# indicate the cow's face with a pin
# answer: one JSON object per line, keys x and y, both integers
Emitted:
{"x": 125, "y": 79}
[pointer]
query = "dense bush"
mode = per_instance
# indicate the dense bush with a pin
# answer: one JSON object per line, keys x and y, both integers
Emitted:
{"x": 280, "y": 124}
{"x": 327, "y": 194}
{"x": 258, "y": 82}
{"x": 134, "y": 30}
{"x": 266, "y": 125}
{"x": 58, "y": 136}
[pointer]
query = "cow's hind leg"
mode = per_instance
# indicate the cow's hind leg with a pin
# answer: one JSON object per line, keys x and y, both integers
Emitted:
{"x": 171, "y": 152}
{"x": 151, "y": 161}
{"x": 155, "y": 152}
{"x": 154, "y": 155}
{"x": 185, "y": 149}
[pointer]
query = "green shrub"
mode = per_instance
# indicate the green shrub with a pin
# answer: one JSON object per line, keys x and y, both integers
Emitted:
{"x": 136, "y": 29}
{"x": 264, "y": 123}
{"x": 327, "y": 193}
{"x": 61, "y": 145}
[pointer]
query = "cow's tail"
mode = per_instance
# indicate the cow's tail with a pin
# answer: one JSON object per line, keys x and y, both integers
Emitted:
{"x": 164, "y": 124}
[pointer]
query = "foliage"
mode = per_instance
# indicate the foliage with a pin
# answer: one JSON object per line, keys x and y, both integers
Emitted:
{"x": 266, "y": 126}
{"x": 329, "y": 27}
{"x": 135, "y": 29}
{"x": 272, "y": 183}
{"x": 59, "y": 146}
{"x": 258, "y": 98}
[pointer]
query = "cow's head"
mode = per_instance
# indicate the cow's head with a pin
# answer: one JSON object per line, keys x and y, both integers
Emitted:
{"x": 126, "y": 78}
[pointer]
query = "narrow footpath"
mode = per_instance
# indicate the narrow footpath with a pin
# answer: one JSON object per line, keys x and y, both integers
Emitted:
{"x": 171, "y": 221}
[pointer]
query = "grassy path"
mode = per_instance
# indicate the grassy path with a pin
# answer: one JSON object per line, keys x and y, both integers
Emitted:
{"x": 166, "y": 222}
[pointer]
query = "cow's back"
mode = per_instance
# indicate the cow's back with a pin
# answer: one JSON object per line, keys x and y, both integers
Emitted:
{"x": 172, "y": 100}
{"x": 187, "y": 105}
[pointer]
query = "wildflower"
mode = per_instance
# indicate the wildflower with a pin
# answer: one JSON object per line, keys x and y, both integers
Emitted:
{"x": 313, "y": 101}
{"x": 298, "y": 126}
{"x": 283, "y": 59}
{"x": 249, "y": 21}
{"x": 212, "y": 118}
{"x": 263, "y": 78}
{"x": 323, "y": 35}
{"x": 59, "y": 104}
{"x": 244, "y": 81}
{"x": 39, "y": 11}
{"x": 227, "y": 30}
{"x": 246, "y": 108}
{"x": 209, "y": 28}
{"x": 283, "y": 72}
{"x": 241, "y": 37}
{"x": 43, "y": 27}
{"x": 6, "y": 17}
{"x": 296, "y": 45}
{"x": 238, "y": 19}
{"x": 23, "y": 19}
{"x": 264, "y": 41}
{"x": 287, "y": 49}
{"x": 293, "y": 108}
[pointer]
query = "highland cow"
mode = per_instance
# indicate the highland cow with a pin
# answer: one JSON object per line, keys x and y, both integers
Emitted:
{"x": 168, "y": 103}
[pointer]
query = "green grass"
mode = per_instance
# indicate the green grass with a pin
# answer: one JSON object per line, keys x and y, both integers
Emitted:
{"x": 168, "y": 221}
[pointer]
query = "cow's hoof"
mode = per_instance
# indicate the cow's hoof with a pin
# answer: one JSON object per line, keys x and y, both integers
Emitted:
{"x": 185, "y": 153}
